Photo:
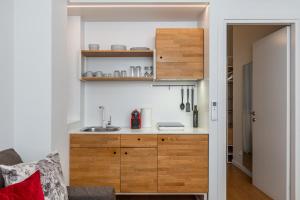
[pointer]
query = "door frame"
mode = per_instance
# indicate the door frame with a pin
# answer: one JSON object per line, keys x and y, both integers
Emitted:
{"x": 294, "y": 161}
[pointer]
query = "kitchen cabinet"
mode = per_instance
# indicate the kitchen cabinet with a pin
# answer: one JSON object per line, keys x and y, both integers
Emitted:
{"x": 140, "y": 163}
{"x": 139, "y": 170}
{"x": 179, "y": 53}
{"x": 95, "y": 166}
{"x": 183, "y": 163}
{"x": 95, "y": 160}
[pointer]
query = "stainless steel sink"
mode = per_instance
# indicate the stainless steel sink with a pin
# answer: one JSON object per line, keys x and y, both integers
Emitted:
{"x": 100, "y": 129}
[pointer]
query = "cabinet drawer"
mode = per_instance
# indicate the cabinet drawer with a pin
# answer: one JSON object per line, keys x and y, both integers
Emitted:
{"x": 138, "y": 140}
{"x": 184, "y": 140}
{"x": 94, "y": 140}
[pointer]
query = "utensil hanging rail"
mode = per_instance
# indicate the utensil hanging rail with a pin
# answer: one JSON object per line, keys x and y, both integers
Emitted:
{"x": 174, "y": 85}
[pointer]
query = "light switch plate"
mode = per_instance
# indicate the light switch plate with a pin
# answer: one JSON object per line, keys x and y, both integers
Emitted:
{"x": 214, "y": 111}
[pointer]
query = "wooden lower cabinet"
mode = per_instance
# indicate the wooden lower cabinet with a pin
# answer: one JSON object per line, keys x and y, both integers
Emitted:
{"x": 183, "y": 163}
{"x": 141, "y": 164}
{"x": 95, "y": 167}
{"x": 139, "y": 170}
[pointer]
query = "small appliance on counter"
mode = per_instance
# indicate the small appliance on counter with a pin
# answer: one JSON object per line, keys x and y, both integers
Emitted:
{"x": 146, "y": 114}
{"x": 170, "y": 126}
{"x": 135, "y": 122}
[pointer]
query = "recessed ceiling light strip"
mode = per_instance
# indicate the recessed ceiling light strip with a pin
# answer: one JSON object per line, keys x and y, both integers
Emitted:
{"x": 137, "y": 5}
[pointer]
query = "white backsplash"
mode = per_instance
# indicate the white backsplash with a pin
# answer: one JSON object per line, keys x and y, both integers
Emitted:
{"x": 121, "y": 98}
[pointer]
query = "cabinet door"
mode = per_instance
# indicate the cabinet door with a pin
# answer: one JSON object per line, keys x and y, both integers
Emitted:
{"x": 183, "y": 163}
{"x": 180, "y": 53}
{"x": 138, "y": 170}
{"x": 95, "y": 167}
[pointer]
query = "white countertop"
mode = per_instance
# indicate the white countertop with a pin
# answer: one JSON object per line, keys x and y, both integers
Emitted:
{"x": 186, "y": 130}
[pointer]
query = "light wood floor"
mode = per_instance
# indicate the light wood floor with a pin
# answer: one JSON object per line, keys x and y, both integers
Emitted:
{"x": 247, "y": 161}
{"x": 239, "y": 186}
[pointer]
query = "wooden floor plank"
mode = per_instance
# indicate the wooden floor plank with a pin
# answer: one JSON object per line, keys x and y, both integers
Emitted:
{"x": 239, "y": 186}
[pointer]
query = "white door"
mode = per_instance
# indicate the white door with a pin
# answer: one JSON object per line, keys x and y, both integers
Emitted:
{"x": 270, "y": 116}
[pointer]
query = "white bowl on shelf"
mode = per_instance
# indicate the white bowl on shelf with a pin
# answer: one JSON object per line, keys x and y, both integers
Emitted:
{"x": 94, "y": 47}
{"x": 118, "y": 47}
{"x": 140, "y": 48}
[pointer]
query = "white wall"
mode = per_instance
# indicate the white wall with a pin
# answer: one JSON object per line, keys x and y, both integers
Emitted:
{"x": 73, "y": 63}
{"x": 59, "y": 89}
{"x": 243, "y": 39}
{"x": 120, "y": 98}
{"x": 203, "y": 85}
{"x": 32, "y": 83}
{"x": 40, "y": 108}
{"x": 6, "y": 71}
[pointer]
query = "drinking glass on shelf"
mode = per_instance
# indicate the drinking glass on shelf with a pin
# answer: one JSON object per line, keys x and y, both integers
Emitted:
{"x": 147, "y": 71}
{"x": 151, "y": 70}
{"x": 123, "y": 73}
{"x": 138, "y": 71}
{"x": 132, "y": 71}
{"x": 117, "y": 73}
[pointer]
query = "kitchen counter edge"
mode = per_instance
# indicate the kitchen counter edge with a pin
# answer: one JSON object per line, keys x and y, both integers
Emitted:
{"x": 147, "y": 131}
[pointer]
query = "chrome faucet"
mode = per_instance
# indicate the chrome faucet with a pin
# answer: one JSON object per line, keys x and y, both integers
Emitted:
{"x": 103, "y": 122}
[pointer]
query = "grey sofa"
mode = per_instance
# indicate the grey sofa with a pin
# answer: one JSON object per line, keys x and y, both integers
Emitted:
{"x": 11, "y": 157}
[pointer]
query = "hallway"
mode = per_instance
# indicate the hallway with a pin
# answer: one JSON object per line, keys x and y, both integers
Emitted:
{"x": 239, "y": 186}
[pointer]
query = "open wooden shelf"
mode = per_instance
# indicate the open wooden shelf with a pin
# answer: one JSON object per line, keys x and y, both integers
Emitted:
{"x": 116, "y": 79}
{"x": 117, "y": 53}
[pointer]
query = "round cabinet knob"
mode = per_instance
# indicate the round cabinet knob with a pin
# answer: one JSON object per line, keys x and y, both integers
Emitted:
{"x": 254, "y": 119}
{"x": 126, "y": 153}
{"x": 162, "y": 139}
{"x": 161, "y": 57}
{"x": 139, "y": 139}
{"x": 115, "y": 152}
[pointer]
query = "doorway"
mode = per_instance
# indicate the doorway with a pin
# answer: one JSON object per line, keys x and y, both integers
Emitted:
{"x": 257, "y": 72}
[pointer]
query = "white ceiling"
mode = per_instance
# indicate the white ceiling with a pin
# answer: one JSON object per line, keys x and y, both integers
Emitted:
{"x": 137, "y": 13}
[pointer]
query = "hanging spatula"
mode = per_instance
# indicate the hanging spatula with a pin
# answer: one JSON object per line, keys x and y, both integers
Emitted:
{"x": 182, "y": 104}
{"x": 188, "y": 105}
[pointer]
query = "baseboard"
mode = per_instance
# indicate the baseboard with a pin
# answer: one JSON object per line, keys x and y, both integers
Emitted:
{"x": 242, "y": 168}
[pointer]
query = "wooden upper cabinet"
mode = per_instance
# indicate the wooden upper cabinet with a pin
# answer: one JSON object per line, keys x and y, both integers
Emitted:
{"x": 183, "y": 163}
{"x": 139, "y": 170}
{"x": 95, "y": 167}
{"x": 179, "y": 53}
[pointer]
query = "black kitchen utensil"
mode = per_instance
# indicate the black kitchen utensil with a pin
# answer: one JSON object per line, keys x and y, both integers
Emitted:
{"x": 188, "y": 105}
{"x": 192, "y": 98}
{"x": 182, "y": 104}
